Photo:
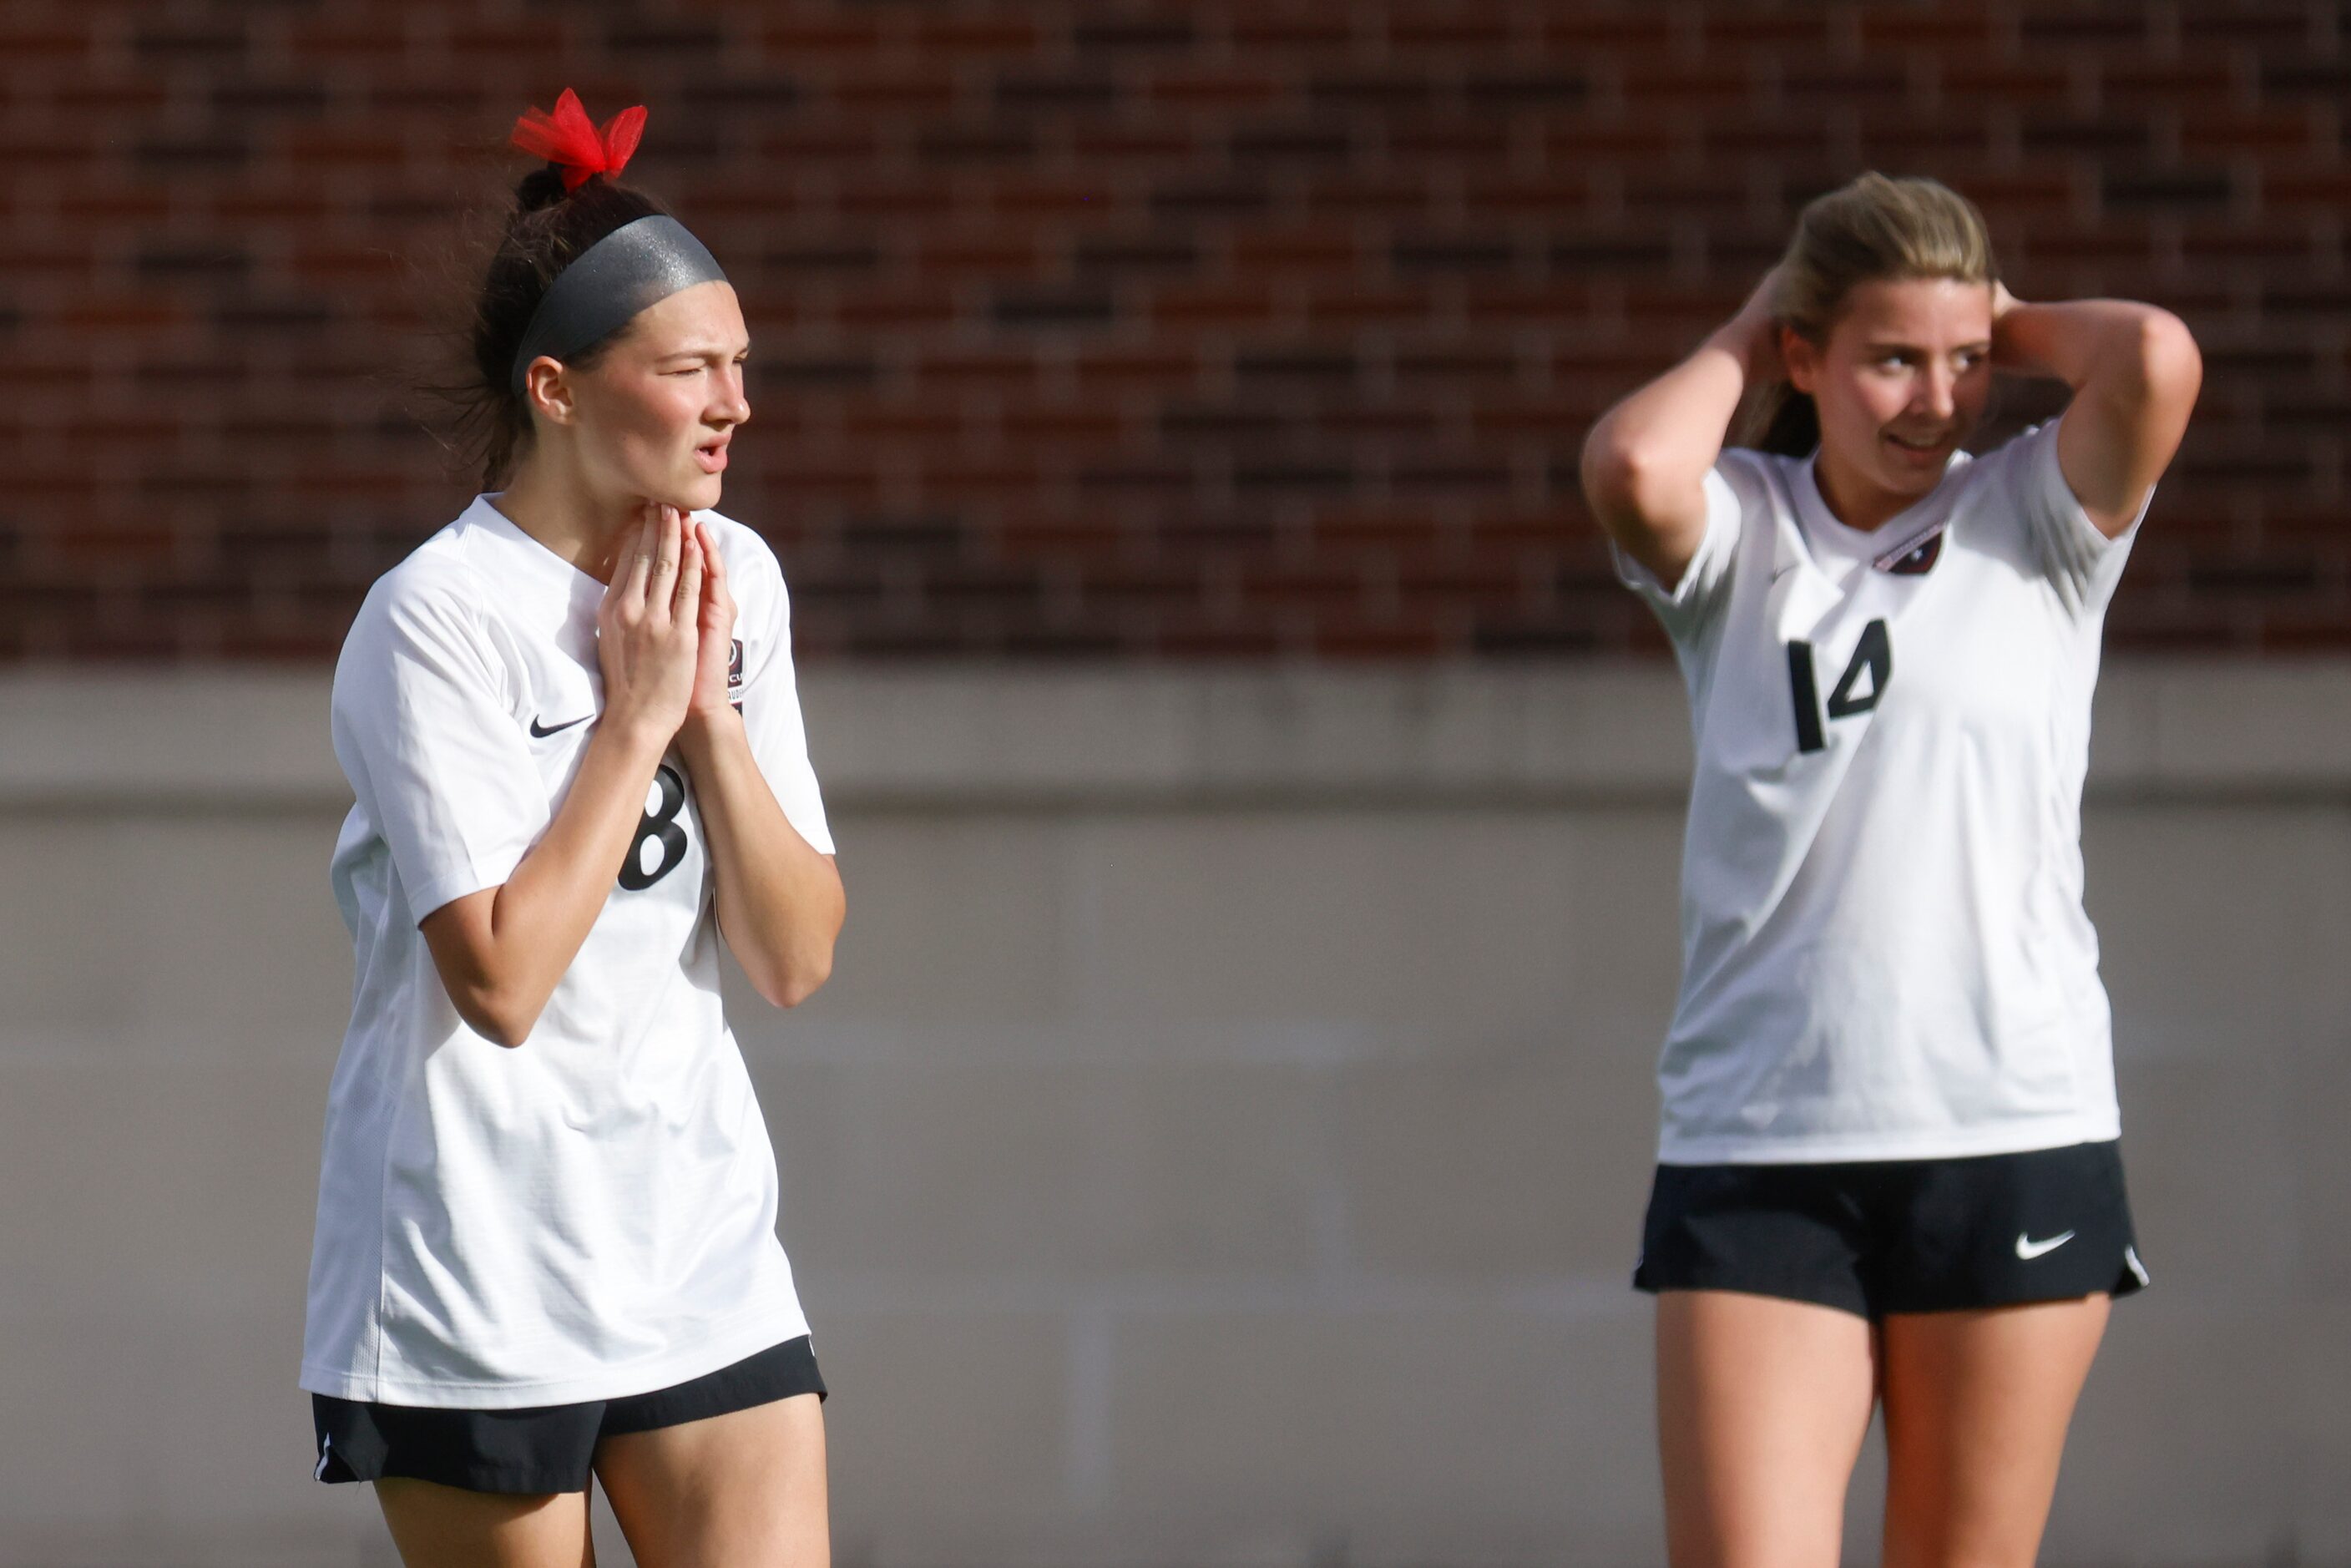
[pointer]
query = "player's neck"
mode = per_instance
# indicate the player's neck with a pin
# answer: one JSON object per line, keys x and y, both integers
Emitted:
{"x": 1853, "y": 500}
{"x": 549, "y": 503}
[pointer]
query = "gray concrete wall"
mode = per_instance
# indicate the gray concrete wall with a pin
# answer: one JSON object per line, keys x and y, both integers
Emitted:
{"x": 1223, "y": 1141}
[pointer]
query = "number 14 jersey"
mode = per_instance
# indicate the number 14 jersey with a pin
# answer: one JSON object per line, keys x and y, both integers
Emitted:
{"x": 1884, "y": 954}
{"x": 592, "y": 1213}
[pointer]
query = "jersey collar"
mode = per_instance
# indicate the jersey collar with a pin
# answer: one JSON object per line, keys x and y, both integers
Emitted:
{"x": 1898, "y": 537}
{"x": 527, "y": 564}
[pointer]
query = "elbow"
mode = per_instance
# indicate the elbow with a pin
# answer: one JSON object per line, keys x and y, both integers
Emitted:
{"x": 1612, "y": 472}
{"x": 2171, "y": 363}
{"x": 2159, "y": 360}
{"x": 795, "y": 961}
{"x": 797, "y": 991}
{"x": 478, "y": 976}
{"x": 502, "y": 1020}
{"x": 1622, "y": 481}
{"x": 790, "y": 969}
{"x": 791, "y": 983}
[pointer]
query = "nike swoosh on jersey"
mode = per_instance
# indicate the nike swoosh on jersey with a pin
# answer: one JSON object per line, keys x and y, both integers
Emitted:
{"x": 2029, "y": 1249}
{"x": 538, "y": 734}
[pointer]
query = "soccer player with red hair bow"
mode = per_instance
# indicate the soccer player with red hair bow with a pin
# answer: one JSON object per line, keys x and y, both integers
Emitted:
{"x": 545, "y": 1248}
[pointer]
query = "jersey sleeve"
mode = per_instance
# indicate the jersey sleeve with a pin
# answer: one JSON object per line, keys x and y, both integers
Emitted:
{"x": 771, "y": 700}
{"x": 1691, "y": 603}
{"x": 432, "y": 748}
{"x": 2082, "y": 563}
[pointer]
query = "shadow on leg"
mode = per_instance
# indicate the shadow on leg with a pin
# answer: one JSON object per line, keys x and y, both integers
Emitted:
{"x": 1977, "y": 1404}
{"x": 741, "y": 1490}
{"x": 447, "y": 1527}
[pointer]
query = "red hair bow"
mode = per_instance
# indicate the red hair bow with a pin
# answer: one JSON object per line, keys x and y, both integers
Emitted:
{"x": 570, "y": 140}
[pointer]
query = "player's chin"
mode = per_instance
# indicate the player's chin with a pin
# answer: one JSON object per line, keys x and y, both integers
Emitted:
{"x": 694, "y": 491}
{"x": 1907, "y": 469}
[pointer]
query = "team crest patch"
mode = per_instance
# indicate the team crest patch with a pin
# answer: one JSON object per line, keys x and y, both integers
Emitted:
{"x": 734, "y": 675}
{"x": 1916, "y": 561}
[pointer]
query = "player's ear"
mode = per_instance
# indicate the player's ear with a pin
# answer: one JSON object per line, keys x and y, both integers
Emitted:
{"x": 546, "y": 390}
{"x": 1801, "y": 357}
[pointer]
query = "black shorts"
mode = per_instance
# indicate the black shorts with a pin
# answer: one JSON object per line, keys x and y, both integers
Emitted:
{"x": 1897, "y": 1236}
{"x": 545, "y": 1447}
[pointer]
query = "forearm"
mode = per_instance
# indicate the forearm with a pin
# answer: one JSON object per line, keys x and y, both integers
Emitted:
{"x": 501, "y": 953}
{"x": 2080, "y": 342}
{"x": 2135, "y": 371}
{"x": 779, "y": 901}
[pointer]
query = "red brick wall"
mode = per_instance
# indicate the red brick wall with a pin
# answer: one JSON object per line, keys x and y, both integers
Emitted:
{"x": 1240, "y": 328}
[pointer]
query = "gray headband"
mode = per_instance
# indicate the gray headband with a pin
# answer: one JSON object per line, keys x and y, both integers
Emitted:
{"x": 638, "y": 264}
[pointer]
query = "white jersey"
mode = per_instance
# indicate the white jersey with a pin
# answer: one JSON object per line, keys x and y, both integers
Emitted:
{"x": 1884, "y": 954}
{"x": 591, "y": 1214}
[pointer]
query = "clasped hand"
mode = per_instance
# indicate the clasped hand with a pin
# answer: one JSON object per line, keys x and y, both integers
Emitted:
{"x": 665, "y": 630}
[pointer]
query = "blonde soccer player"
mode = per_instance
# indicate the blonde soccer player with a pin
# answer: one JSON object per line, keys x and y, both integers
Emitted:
{"x": 1889, "y": 1168}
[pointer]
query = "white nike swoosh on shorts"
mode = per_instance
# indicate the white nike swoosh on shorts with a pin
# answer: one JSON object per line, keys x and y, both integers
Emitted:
{"x": 2029, "y": 1249}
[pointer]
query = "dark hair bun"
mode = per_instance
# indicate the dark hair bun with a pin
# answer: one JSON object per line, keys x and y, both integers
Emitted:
{"x": 542, "y": 187}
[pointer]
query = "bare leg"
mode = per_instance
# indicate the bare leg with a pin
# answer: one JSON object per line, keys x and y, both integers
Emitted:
{"x": 739, "y": 1490}
{"x": 447, "y": 1527}
{"x": 1761, "y": 1407}
{"x": 1977, "y": 1404}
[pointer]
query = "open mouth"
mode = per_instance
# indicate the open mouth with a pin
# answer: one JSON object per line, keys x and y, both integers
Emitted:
{"x": 711, "y": 455}
{"x": 1923, "y": 446}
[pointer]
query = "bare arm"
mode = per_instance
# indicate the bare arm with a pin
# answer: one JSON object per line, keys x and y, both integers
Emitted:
{"x": 1645, "y": 461}
{"x": 2135, "y": 371}
{"x": 780, "y": 902}
{"x": 501, "y": 951}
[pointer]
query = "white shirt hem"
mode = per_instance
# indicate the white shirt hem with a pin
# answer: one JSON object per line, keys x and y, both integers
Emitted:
{"x": 1924, "y": 1144}
{"x": 708, "y": 1354}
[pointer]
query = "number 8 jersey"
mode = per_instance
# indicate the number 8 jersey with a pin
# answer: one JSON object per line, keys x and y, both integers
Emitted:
{"x": 591, "y": 1214}
{"x": 1884, "y": 954}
